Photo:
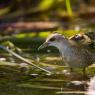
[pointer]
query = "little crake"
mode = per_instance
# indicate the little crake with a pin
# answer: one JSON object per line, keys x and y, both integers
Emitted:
{"x": 74, "y": 55}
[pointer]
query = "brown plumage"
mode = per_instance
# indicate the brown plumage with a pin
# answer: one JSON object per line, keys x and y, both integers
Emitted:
{"x": 86, "y": 40}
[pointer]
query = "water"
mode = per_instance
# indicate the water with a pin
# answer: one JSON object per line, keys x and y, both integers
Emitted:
{"x": 24, "y": 80}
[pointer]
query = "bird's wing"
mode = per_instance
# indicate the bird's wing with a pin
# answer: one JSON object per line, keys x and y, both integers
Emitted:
{"x": 86, "y": 40}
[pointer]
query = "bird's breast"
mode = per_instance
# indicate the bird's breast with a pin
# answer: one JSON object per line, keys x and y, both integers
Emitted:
{"x": 73, "y": 58}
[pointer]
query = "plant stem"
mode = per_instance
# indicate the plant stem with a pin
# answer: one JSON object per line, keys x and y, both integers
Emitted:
{"x": 23, "y": 59}
{"x": 69, "y": 9}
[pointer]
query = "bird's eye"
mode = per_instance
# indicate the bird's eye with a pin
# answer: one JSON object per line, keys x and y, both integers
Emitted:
{"x": 52, "y": 39}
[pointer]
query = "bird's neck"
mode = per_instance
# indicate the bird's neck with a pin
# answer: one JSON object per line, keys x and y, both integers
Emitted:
{"x": 67, "y": 47}
{"x": 67, "y": 44}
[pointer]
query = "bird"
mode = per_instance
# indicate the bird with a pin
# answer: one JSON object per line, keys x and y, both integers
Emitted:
{"x": 73, "y": 54}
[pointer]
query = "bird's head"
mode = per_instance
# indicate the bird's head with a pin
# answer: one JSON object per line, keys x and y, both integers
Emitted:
{"x": 54, "y": 39}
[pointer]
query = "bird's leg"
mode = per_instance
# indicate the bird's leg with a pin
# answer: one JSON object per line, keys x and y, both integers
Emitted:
{"x": 71, "y": 69}
{"x": 84, "y": 72}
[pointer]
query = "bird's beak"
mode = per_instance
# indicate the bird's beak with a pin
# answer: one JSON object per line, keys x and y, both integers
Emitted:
{"x": 45, "y": 44}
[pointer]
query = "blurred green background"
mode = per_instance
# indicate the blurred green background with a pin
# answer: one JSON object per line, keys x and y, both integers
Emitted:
{"x": 24, "y": 26}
